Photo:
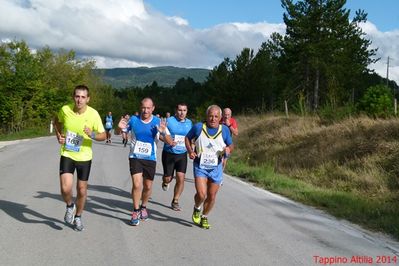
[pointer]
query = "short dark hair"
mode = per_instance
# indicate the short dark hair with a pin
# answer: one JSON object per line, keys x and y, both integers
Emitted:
{"x": 182, "y": 104}
{"x": 81, "y": 88}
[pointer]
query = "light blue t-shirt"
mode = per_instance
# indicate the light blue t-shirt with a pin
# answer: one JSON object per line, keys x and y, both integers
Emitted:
{"x": 108, "y": 122}
{"x": 178, "y": 130}
{"x": 144, "y": 135}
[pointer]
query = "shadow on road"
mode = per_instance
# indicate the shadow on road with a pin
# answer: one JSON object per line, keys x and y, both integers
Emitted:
{"x": 111, "y": 190}
{"x": 113, "y": 208}
{"x": 19, "y": 212}
{"x": 97, "y": 205}
{"x": 162, "y": 217}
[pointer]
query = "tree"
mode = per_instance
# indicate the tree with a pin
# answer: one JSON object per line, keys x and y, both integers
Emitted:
{"x": 377, "y": 101}
{"x": 33, "y": 86}
{"x": 325, "y": 51}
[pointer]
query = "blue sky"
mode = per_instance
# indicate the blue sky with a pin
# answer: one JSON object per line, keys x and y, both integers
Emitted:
{"x": 207, "y": 13}
{"x": 182, "y": 33}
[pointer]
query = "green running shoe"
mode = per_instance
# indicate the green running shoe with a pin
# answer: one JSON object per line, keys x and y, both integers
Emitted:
{"x": 196, "y": 216}
{"x": 204, "y": 223}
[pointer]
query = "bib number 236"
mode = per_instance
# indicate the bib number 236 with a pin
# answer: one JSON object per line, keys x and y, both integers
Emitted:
{"x": 208, "y": 160}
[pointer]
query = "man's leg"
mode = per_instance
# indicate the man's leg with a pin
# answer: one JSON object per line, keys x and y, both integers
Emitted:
{"x": 210, "y": 200}
{"x": 168, "y": 165}
{"x": 199, "y": 198}
{"x": 81, "y": 188}
{"x": 66, "y": 184}
{"x": 201, "y": 191}
{"x": 179, "y": 187}
{"x": 147, "y": 190}
{"x": 137, "y": 189}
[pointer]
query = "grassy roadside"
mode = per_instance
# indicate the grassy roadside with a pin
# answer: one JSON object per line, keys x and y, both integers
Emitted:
{"x": 350, "y": 169}
{"x": 26, "y": 134}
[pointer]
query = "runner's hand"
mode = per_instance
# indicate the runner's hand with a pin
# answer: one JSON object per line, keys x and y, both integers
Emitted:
{"x": 61, "y": 138}
{"x": 88, "y": 131}
{"x": 192, "y": 155}
{"x": 227, "y": 152}
{"x": 162, "y": 126}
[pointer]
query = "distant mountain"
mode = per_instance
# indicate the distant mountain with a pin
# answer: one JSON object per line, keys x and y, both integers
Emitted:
{"x": 142, "y": 76}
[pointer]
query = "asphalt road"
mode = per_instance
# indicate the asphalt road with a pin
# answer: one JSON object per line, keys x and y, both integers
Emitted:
{"x": 250, "y": 226}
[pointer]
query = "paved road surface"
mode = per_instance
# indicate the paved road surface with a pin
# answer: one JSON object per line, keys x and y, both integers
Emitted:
{"x": 249, "y": 226}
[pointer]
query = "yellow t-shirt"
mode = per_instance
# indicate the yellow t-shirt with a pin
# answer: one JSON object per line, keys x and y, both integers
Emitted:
{"x": 77, "y": 144}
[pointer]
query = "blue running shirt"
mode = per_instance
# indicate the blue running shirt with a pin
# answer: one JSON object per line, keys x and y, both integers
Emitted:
{"x": 144, "y": 135}
{"x": 178, "y": 130}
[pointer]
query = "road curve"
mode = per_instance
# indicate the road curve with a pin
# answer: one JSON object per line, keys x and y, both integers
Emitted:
{"x": 250, "y": 226}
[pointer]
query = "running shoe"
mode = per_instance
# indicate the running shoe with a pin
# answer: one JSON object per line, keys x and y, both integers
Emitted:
{"x": 144, "y": 213}
{"x": 175, "y": 206}
{"x": 77, "y": 223}
{"x": 165, "y": 186}
{"x": 204, "y": 223}
{"x": 196, "y": 216}
{"x": 70, "y": 214}
{"x": 135, "y": 218}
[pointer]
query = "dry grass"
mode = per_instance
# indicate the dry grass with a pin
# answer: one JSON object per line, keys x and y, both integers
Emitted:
{"x": 359, "y": 154}
{"x": 350, "y": 168}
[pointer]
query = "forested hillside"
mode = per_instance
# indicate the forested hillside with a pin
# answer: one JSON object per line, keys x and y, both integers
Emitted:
{"x": 142, "y": 76}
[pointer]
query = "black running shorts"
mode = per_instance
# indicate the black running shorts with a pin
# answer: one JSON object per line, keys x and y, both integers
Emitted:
{"x": 67, "y": 165}
{"x": 146, "y": 167}
{"x": 171, "y": 162}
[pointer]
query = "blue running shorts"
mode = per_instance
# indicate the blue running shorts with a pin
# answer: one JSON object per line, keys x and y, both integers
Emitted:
{"x": 214, "y": 174}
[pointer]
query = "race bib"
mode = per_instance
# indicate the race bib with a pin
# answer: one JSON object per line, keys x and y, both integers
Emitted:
{"x": 142, "y": 149}
{"x": 73, "y": 141}
{"x": 208, "y": 160}
{"x": 180, "y": 144}
{"x": 108, "y": 124}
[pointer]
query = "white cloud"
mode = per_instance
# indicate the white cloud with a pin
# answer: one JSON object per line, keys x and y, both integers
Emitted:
{"x": 388, "y": 46}
{"x": 125, "y": 33}
{"x": 178, "y": 20}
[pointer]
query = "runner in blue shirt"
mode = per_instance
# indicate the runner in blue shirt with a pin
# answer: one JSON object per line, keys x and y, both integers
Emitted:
{"x": 213, "y": 143}
{"x": 174, "y": 157}
{"x": 109, "y": 122}
{"x": 145, "y": 129}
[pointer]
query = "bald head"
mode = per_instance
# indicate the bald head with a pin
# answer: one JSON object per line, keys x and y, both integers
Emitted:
{"x": 147, "y": 101}
{"x": 147, "y": 107}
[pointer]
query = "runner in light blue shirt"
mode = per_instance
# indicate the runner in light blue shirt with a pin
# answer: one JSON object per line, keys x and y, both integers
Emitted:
{"x": 174, "y": 157}
{"x": 145, "y": 129}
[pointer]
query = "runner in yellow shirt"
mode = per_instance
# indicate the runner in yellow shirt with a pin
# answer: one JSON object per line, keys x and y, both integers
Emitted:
{"x": 76, "y": 126}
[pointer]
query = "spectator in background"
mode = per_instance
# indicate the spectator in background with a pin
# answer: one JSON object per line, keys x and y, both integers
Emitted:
{"x": 229, "y": 121}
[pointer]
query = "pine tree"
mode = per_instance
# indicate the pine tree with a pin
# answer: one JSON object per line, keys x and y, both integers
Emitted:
{"x": 326, "y": 53}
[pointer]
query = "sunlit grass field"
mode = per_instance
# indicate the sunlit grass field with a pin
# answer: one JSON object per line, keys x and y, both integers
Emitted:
{"x": 25, "y": 134}
{"x": 349, "y": 168}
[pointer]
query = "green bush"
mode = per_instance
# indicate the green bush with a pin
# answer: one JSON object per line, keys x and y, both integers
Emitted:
{"x": 329, "y": 114}
{"x": 377, "y": 102}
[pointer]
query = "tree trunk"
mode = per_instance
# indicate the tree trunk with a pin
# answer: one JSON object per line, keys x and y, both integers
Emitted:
{"x": 316, "y": 91}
